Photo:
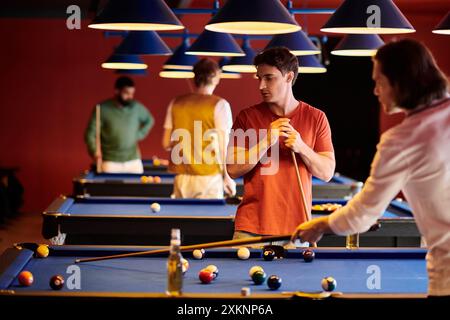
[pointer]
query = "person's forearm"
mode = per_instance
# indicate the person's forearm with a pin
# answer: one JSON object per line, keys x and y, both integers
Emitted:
{"x": 252, "y": 156}
{"x": 320, "y": 166}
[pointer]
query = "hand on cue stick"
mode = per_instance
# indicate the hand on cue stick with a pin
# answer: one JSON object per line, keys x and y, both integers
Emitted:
{"x": 302, "y": 193}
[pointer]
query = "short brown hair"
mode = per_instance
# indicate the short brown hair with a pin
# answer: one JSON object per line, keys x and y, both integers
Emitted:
{"x": 279, "y": 57}
{"x": 204, "y": 71}
{"x": 412, "y": 72}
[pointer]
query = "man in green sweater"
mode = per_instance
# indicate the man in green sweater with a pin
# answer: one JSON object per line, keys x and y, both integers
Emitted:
{"x": 123, "y": 123}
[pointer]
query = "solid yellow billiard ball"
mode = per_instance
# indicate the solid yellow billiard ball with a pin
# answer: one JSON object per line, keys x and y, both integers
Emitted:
{"x": 156, "y": 162}
{"x": 42, "y": 251}
{"x": 144, "y": 179}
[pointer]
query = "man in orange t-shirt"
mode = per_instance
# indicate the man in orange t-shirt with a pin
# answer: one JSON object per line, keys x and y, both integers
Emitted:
{"x": 260, "y": 150}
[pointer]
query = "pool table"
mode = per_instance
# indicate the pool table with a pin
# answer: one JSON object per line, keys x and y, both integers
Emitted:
{"x": 402, "y": 273}
{"x": 115, "y": 184}
{"x": 130, "y": 221}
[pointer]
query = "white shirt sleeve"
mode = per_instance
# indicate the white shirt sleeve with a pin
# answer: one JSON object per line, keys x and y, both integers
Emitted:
{"x": 389, "y": 173}
{"x": 223, "y": 119}
{"x": 168, "y": 123}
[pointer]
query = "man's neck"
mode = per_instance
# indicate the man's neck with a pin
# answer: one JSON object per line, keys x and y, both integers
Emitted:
{"x": 208, "y": 89}
{"x": 285, "y": 107}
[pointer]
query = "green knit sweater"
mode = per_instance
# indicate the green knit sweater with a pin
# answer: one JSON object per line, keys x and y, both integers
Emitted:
{"x": 121, "y": 129}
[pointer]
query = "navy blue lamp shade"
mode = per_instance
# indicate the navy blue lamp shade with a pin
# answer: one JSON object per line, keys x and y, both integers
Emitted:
{"x": 180, "y": 60}
{"x": 124, "y": 61}
{"x": 297, "y": 42}
{"x": 215, "y": 44}
{"x": 242, "y": 64}
{"x": 136, "y": 72}
{"x": 368, "y": 17}
{"x": 143, "y": 43}
{"x": 363, "y": 45}
{"x": 310, "y": 64}
{"x": 253, "y": 17}
{"x": 444, "y": 26}
{"x": 136, "y": 15}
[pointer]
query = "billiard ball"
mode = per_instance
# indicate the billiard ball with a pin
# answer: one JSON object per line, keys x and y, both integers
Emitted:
{"x": 212, "y": 268}
{"x": 157, "y": 179}
{"x": 150, "y": 179}
{"x": 25, "y": 278}
{"x": 259, "y": 277}
{"x": 184, "y": 265}
{"x": 198, "y": 254}
{"x": 42, "y": 251}
{"x": 144, "y": 179}
{"x": 308, "y": 255}
{"x": 245, "y": 291}
{"x": 329, "y": 284}
{"x": 269, "y": 254}
{"x": 57, "y": 282}
{"x": 254, "y": 269}
{"x": 155, "y": 207}
{"x": 243, "y": 253}
{"x": 205, "y": 276}
{"x": 156, "y": 162}
{"x": 274, "y": 282}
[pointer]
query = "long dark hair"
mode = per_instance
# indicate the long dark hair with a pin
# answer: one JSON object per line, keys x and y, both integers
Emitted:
{"x": 412, "y": 72}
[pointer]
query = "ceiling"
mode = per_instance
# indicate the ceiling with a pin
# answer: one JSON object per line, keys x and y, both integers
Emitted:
{"x": 57, "y": 8}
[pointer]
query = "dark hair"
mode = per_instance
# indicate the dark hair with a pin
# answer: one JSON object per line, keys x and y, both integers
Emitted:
{"x": 279, "y": 57}
{"x": 123, "y": 82}
{"x": 204, "y": 71}
{"x": 412, "y": 72}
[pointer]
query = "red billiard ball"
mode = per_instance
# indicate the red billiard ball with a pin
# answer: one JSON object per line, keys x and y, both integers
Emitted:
{"x": 308, "y": 255}
{"x": 57, "y": 282}
{"x": 206, "y": 276}
{"x": 25, "y": 278}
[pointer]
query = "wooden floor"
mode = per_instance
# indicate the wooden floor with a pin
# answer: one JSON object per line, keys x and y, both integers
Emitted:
{"x": 26, "y": 227}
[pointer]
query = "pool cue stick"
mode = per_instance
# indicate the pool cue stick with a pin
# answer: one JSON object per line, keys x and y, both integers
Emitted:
{"x": 302, "y": 192}
{"x": 98, "y": 143}
{"x": 218, "y": 244}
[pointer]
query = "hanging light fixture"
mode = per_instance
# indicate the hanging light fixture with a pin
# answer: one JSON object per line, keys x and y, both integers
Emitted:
{"x": 176, "y": 74}
{"x": 368, "y": 17}
{"x": 242, "y": 64}
{"x": 253, "y": 17}
{"x": 180, "y": 60}
{"x": 297, "y": 42}
{"x": 444, "y": 26}
{"x": 310, "y": 64}
{"x": 136, "y": 72}
{"x": 124, "y": 61}
{"x": 215, "y": 44}
{"x": 362, "y": 45}
{"x": 143, "y": 43}
{"x": 136, "y": 15}
{"x": 228, "y": 74}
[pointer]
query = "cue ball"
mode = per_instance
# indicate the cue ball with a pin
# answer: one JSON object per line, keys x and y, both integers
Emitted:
{"x": 25, "y": 278}
{"x": 308, "y": 255}
{"x": 243, "y": 253}
{"x": 42, "y": 251}
{"x": 274, "y": 282}
{"x": 155, "y": 207}
{"x": 198, "y": 254}
{"x": 329, "y": 284}
{"x": 57, "y": 282}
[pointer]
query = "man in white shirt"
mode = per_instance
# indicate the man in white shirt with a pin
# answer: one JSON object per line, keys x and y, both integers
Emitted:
{"x": 412, "y": 157}
{"x": 196, "y": 132}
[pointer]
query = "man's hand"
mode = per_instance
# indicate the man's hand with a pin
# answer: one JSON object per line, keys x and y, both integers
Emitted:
{"x": 275, "y": 130}
{"x": 229, "y": 186}
{"x": 312, "y": 231}
{"x": 294, "y": 141}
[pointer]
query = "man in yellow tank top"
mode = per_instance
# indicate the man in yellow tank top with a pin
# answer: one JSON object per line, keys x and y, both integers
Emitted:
{"x": 196, "y": 131}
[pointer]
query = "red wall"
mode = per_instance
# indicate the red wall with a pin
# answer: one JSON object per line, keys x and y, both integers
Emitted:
{"x": 51, "y": 79}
